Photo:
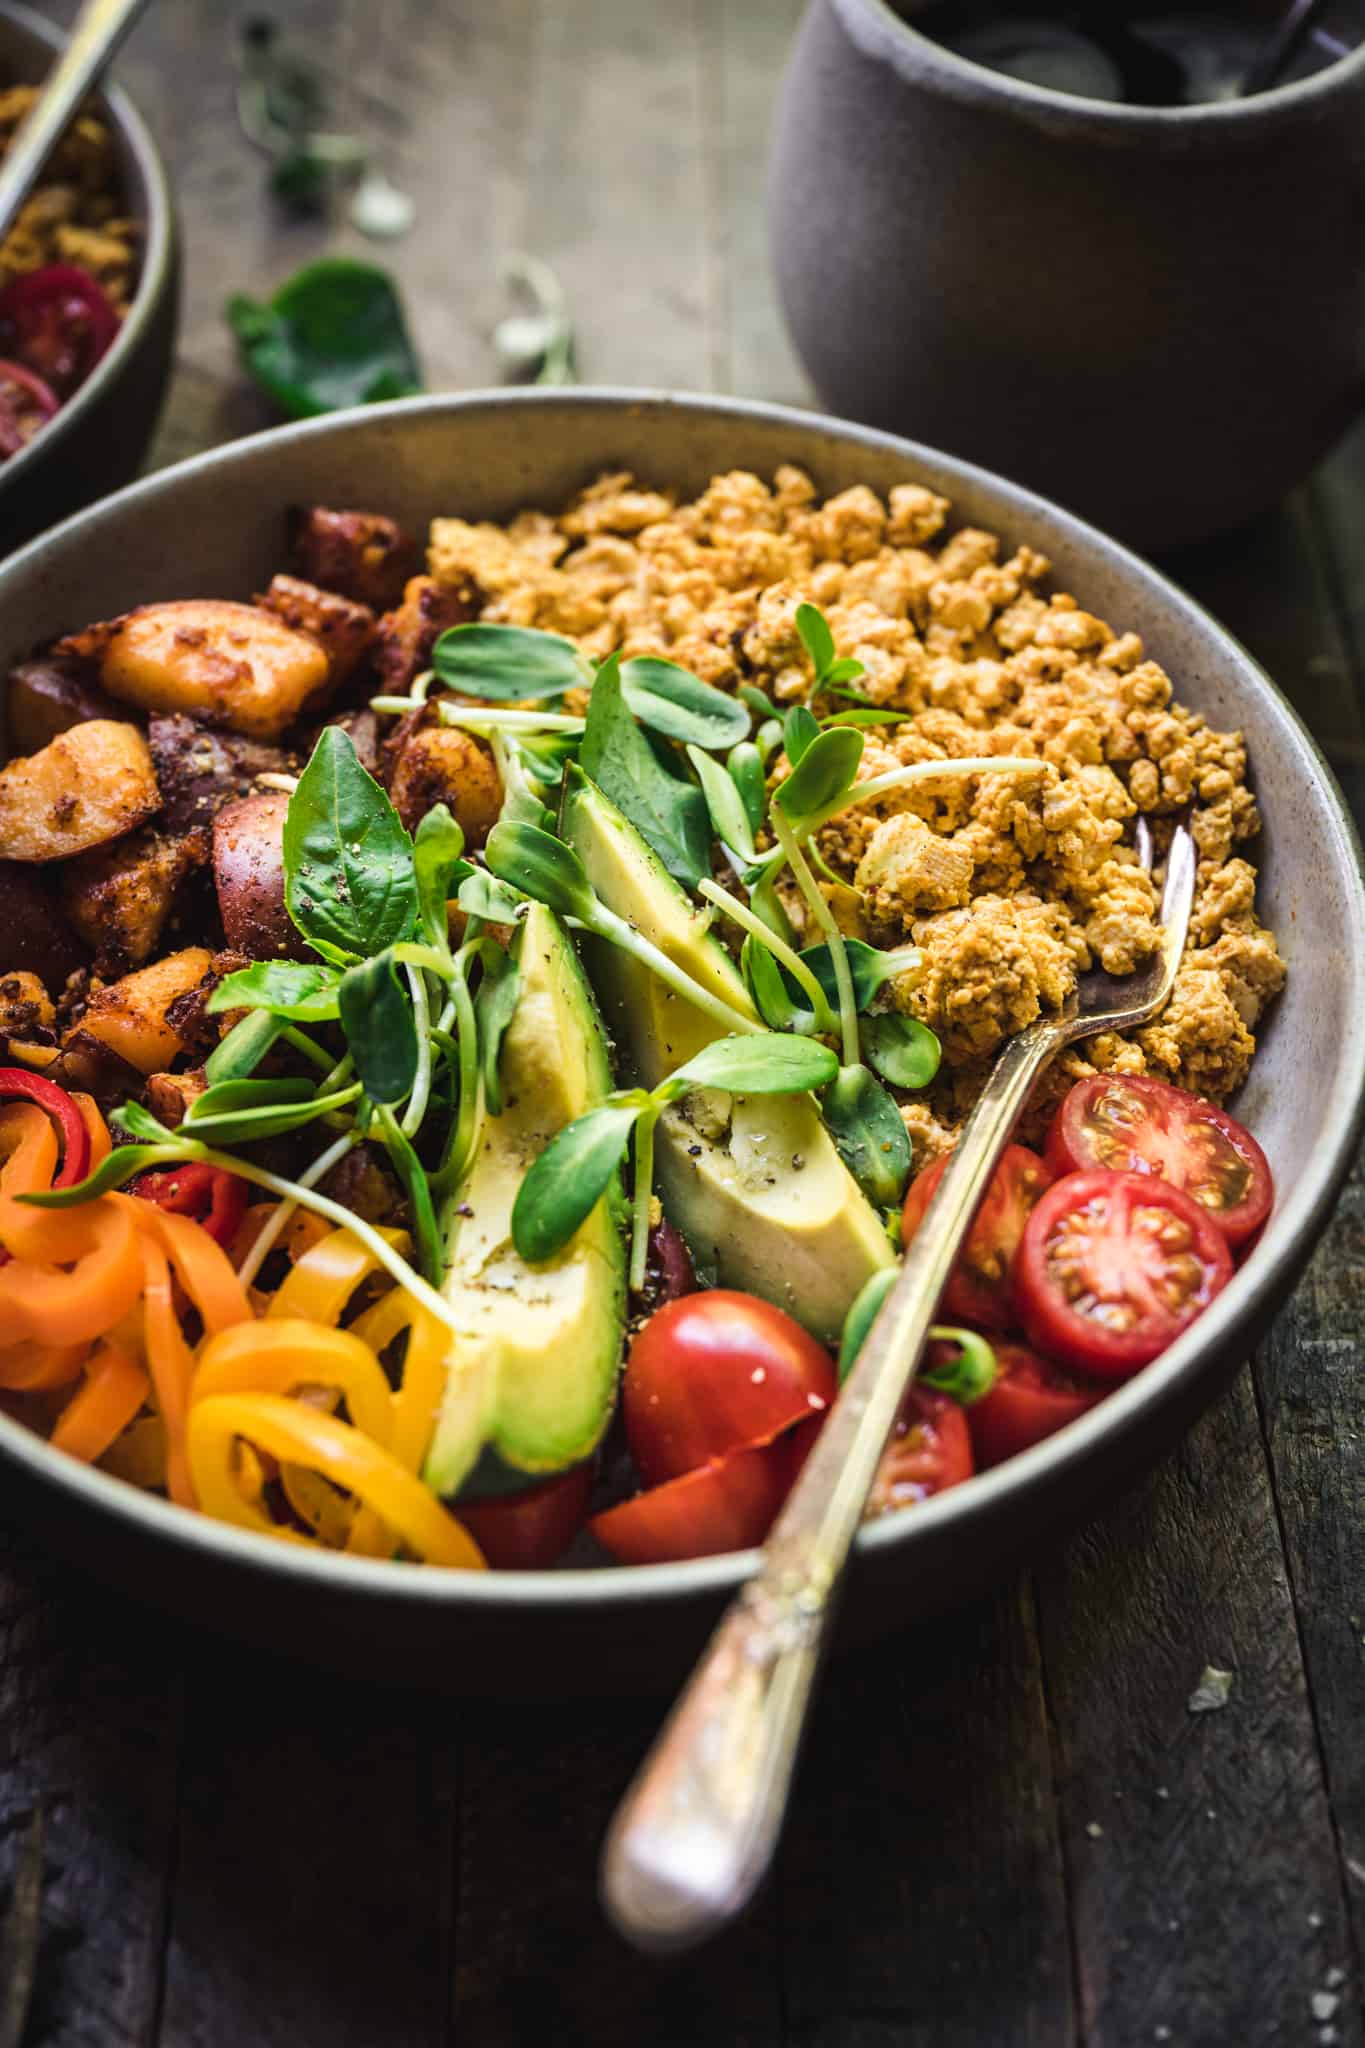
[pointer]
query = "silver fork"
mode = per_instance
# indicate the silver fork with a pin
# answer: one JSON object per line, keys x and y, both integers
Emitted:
{"x": 697, "y": 1828}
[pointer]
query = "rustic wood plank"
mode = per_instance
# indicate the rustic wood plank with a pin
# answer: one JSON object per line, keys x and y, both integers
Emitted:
{"x": 533, "y": 1957}
{"x": 921, "y": 1880}
{"x": 89, "y": 1735}
{"x": 315, "y": 1837}
{"x": 1205, "y": 1888}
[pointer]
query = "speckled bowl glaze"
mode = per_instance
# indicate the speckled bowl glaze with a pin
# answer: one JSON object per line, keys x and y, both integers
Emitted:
{"x": 1154, "y": 314}
{"x": 100, "y": 436}
{"x": 214, "y": 526}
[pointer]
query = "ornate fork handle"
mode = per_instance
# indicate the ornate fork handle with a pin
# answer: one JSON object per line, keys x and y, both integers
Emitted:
{"x": 696, "y": 1831}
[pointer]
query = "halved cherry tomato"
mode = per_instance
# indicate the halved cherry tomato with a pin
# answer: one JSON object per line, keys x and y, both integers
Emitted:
{"x": 728, "y": 1504}
{"x": 1113, "y": 1266}
{"x": 525, "y": 1532}
{"x": 58, "y": 321}
{"x": 209, "y": 1194}
{"x": 1131, "y": 1124}
{"x": 978, "y": 1289}
{"x": 1031, "y": 1398}
{"x": 717, "y": 1372}
{"x": 930, "y": 1449}
{"x": 17, "y": 1084}
{"x": 26, "y": 404}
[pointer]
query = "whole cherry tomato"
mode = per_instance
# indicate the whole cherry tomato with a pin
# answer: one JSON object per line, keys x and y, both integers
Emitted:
{"x": 1113, "y": 1266}
{"x": 930, "y": 1449}
{"x": 979, "y": 1289}
{"x": 1131, "y": 1124}
{"x": 1031, "y": 1398}
{"x": 716, "y": 1372}
{"x": 525, "y": 1532}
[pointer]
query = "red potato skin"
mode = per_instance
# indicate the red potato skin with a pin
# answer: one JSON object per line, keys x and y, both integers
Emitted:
{"x": 37, "y": 938}
{"x": 363, "y": 555}
{"x": 49, "y": 695}
{"x": 408, "y": 633}
{"x": 248, "y": 873}
{"x": 199, "y": 770}
{"x": 343, "y": 629}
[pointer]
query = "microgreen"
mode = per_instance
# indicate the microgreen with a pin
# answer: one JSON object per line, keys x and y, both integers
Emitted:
{"x": 967, "y": 1377}
{"x": 668, "y": 813}
{"x": 377, "y": 1017}
{"x": 818, "y": 641}
{"x": 826, "y": 769}
{"x": 509, "y": 664}
{"x": 674, "y": 702}
{"x": 483, "y": 895}
{"x": 350, "y": 887}
{"x": 299, "y": 990}
{"x": 241, "y": 1051}
{"x": 868, "y": 1134}
{"x": 494, "y": 1007}
{"x": 438, "y": 869}
{"x": 729, "y": 818}
{"x": 744, "y": 765}
{"x": 799, "y": 728}
{"x": 901, "y": 1049}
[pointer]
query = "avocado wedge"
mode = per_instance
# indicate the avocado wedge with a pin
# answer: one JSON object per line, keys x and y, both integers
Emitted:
{"x": 755, "y": 1185}
{"x": 532, "y": 1373}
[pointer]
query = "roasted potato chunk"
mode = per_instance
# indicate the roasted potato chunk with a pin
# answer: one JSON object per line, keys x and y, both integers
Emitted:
{"x": 231, "y": 664}
{"x": 198, "y": 771}
{"x": 363, "y": 555}
{"x": 248, "y": 873}
{"x": 36, "y": 935}
{"x": 440, "y": 765}
{"x": 89, "y": 785}
{"x": 169, "y": 1096}
{"x": 408, "y": 634}
{"x": 118, "y": 897}
{"x": 129, "y": 1016}
{"x": 343, "y": 629}
{"x": 48, "y": 696}
{"x": 25, "y": 1006}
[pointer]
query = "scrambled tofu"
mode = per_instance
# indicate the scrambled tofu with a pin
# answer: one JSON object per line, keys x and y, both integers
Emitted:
{"x": 1010, "y": 884}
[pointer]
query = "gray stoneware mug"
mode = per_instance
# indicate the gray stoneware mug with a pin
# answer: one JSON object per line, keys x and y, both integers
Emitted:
{"x": 1155, "y": 315}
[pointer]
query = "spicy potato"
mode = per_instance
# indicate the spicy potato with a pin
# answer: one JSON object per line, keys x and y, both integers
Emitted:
{"x": 444, "y": 766}
{"x": 232, "y": 664}
{"x": 25, "y": 1005}
{"x": 129, "y": 1017}
{"x": 248, "y": 873}
{"x": 343, "y": 629}
{"x": 118, "y": 897}
{"x": 48, "y": 696}
{"x": 364, "y": 555}
{"x": 89, "y": 785}
{"x": 37, "y": 937}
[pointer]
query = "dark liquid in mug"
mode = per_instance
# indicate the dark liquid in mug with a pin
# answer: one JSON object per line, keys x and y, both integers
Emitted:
{"x": 1151, "y": 56}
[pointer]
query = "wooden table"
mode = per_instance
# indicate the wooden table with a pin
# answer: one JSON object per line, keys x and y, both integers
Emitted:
{"x": 1009, "y": 1829}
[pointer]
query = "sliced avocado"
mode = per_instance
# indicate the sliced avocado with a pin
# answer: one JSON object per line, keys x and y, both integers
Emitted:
{"x": 533, "y": 1371}
{"x": 754, "y": 1184}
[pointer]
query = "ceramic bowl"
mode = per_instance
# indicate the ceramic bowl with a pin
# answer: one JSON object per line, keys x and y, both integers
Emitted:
{"x": 100, "y": 436}
{"x": 214, "y": 526}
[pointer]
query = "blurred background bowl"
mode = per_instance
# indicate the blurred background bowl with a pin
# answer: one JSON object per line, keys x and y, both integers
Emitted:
{"x": 98, "y": 439}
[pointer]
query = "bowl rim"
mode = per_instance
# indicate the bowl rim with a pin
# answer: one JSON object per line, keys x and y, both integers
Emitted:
{"x": 1297, "y": 1220}
{"x": 883, "y": 33}
{"x": 158, "y": 222}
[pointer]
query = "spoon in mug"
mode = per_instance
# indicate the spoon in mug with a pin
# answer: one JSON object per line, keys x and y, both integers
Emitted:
{"x": 696, "y": 1830}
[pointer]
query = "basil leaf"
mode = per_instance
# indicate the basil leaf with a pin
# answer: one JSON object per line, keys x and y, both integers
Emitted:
{"x": 669, "y": 814}
{"x": 799, "y": 728}
{"x": 245, "y": 1046}
{"x": 298, "y": 990}
{"x": 542, "y": 866}
{"x": 332, "y": 336}
{"x": 902, "y": 1050}
{"x": 568, "y": 1179}
{"x": 729, "y": 818}
{"x": 868, "y": 1134}
{"x": 826, "y": 769}
{"x": 381, "y": 1031}
{"x": 348, "y": 876}
{"x": 816, "y": 638}
{"x": 673, "y": 701}
{"x": 436, "y": 863}
{"x": 864, "y": 1309}
{"x": 509, "y": 664}
{"x": 756, "y": 1064}
{"x": 483, "y": 895}
{"x": 113, "y": 1170}
{"x": 494, "y": 1007}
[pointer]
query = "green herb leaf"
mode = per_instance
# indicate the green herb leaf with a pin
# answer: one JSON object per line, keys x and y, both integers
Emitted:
{"x": 348, "y": 874}
{"x": 816, "y": 638}
{"x": 230, "y": 1096}
{"x": 246, "y": 1126}
{"x": 117, "y": 1167}
{"x": 869, "y": 714}
{"x": 332, "y": 336}
{"x": 745, "y": 766}
{"x": 673, "y": 701}
{"x": 298, "y": 990}
{"x": 509, "y": 664}
{"x": 438, "y": 869}
{"x": 764, "y": 900}
{"x": 843, "y": 672}
{"x": 381, "y": 1031}
{"x": 140, "y": 1123}
{"x": 800, "y": 728}
{"x": 568, "y": 1179}
{"x": 494, "y": 1007}
{"x": 869, "y": 967}
{"x": 430, "y": 1244}
{"x": 970, "y": 1376}
{"x": 773, "y": 990}
{"x": 826, "y": 769}
{"x": 668, "y": 813}
{"x": 863, "y": 1312}
{"x": 483, "y": 895}
{"x": 542, "y": 866}
{"x": 758, "y": 1063}
{"x": 903, "y": 1051}
{"x": 868, "y": 1134}
{"x": 729, "y": 818}
{"x": 758, "y": 703}
{"x": 244, "y": 1047}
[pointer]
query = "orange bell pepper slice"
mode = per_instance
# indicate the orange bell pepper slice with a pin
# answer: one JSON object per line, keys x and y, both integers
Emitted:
{"x": 279, "y": 1356}
{"x": 115, "y": 1388}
